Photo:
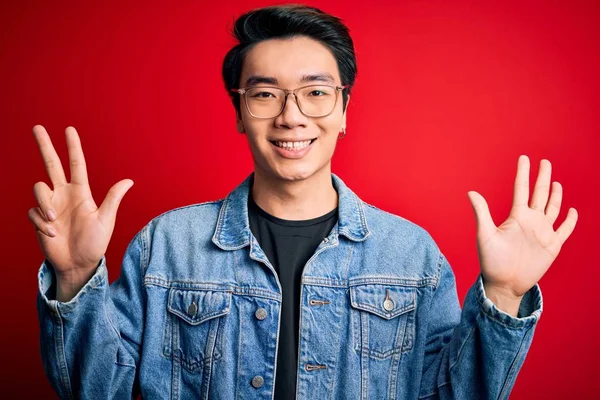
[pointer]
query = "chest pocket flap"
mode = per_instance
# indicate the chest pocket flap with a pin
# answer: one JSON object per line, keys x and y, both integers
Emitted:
{"x": 386, "y": 301}
{"x": 197, "y": 306}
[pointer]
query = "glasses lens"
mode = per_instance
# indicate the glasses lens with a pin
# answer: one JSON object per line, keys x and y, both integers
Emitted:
{"x": 264, "y": 102}
{"x": 318, "y": 100}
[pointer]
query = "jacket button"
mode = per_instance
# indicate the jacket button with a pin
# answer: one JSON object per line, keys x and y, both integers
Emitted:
{"x": 192, "y": 309}
{"x": 388, "y": 305}
{"x": 260, "y": 314}
{"x": 257, "y": 381}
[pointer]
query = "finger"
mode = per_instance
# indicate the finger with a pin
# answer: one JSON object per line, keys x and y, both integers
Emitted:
{"x": 542, "y": 186}
{"x": 108, "y": 208}
{"x": 553, "y": 207}
{"x": 566, "y": 228}
{"x": 521, "y": 194}
{"x": 43, "y": 196}
{"x": 51, "y": 159}
{"x": 483, "y": 218}
{"x": 76, "y": 159}
{"x": 36, "y": 217}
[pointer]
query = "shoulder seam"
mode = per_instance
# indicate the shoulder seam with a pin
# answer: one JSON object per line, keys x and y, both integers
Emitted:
{"x": 438, "y": 274}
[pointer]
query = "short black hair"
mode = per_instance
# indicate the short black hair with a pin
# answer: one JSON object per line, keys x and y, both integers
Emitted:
{"x": 287, "y": 21}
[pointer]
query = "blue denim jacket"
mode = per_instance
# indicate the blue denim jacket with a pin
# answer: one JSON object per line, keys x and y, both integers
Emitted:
{"x": 196, "y": 310}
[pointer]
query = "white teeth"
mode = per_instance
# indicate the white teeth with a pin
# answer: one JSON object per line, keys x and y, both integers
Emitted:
{"x": 293, "y": 145}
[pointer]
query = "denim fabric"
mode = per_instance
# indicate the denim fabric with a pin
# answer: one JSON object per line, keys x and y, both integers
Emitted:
{"x": 195, "y": 314}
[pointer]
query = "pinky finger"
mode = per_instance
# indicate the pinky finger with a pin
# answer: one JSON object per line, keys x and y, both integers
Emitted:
{"x": 40, "y": 223}
{"x": 566, "y": 228}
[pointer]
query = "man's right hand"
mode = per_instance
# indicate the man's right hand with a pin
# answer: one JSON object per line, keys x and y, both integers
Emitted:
{"x": 73, "y": 232}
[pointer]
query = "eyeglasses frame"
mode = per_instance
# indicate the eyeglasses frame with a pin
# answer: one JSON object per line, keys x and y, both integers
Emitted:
{"x": 287, "y": 92}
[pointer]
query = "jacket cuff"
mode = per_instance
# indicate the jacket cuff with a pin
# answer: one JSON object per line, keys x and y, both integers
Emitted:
{"x": 530, "y": 308}
{"x": 47, "y": 287}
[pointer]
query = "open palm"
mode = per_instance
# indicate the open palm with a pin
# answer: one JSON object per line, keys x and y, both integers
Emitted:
{"x": 73, "y": 232}
{"x": 515, "y": 255}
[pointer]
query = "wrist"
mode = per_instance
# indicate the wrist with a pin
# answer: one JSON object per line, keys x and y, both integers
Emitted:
{"x": 68, "y": 285}
{"x": 504, "y": 299}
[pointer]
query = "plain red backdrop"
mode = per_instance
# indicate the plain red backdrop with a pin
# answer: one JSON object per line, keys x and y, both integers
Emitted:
{"x": 448, "y": 95}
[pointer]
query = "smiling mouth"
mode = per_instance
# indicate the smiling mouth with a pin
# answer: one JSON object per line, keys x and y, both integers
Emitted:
{"x": 292, "y": 145}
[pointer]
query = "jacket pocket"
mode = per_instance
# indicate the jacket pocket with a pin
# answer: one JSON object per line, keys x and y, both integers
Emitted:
{"x": 382, "y": 318}
{"x": 194, "y": 325}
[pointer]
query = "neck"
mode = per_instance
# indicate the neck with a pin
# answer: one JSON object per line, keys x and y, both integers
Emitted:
{"x": 295, "y": 200}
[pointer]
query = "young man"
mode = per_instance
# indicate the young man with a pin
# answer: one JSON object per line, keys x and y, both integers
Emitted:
{"x": 291, "y": 285}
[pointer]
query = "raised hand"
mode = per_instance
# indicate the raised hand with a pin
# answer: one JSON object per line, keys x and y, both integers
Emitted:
{"x": 515, "y": 255}
{"x": 72, "y": 231}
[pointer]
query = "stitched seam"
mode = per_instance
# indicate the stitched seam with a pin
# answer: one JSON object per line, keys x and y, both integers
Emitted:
{"x": 519, "y": 325}
{"x": 438, "y": 275}
{"x": 462, "y": 346}
{"x": 240, "y": 352}
{"x": 217, "y": 234}
{"x": 64, "y": 369}
{"x": 512, "y": 371}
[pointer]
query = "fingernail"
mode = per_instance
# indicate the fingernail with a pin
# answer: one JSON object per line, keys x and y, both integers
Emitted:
{"x": 52, "y": 232}
{"x": 51, "y": 215}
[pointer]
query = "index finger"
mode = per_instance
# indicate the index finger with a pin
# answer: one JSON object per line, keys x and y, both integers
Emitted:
{"x": 51, "y": 159}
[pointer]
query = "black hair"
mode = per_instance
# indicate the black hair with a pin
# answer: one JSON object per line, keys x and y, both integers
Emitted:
{"x": 287, "y": 21}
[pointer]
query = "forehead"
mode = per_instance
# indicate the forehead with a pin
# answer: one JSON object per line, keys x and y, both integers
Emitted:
{"x": 289, "y": 60}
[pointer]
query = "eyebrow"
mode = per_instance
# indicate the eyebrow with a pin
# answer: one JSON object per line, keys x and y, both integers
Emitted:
{"x": 258, "y": 79}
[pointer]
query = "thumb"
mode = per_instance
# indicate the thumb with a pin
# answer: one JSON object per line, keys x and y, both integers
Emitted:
{"x": 108, "y": 209}
{"x": 485, "y": 224}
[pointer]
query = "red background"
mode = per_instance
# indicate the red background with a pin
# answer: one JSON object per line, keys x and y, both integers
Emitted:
{"x": 447, "y": 97}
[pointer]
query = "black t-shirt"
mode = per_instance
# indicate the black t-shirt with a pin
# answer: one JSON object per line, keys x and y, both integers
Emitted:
{"x": 288, "y": 245}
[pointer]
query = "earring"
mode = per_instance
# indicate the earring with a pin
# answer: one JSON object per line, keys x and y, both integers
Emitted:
{"x": 240, "y": 128}
{"x": 343, "y": 133}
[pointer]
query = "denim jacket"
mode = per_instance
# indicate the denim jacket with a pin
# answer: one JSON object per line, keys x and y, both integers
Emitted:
{"x": 195, "y": 313}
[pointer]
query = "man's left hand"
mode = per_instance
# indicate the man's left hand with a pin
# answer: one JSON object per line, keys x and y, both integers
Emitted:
{"x": 515, "y": 255}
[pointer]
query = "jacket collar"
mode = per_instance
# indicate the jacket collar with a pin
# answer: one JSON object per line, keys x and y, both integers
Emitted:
{"x": 233, "y": 228}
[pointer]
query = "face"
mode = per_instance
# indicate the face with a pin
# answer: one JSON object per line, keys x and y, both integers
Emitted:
{"x": 289, "y": 64}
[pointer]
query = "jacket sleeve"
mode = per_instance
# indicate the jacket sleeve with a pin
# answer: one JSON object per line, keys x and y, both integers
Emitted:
{"x": 90, "y": 345}
{"x": 476, "y": 353}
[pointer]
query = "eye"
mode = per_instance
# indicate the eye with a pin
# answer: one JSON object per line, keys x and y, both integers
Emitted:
{"x": 262, "y": 94}
{"x": 317, "y": 93}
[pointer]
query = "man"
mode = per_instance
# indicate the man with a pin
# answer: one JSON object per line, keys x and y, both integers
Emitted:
{"x": 292, "y": 285}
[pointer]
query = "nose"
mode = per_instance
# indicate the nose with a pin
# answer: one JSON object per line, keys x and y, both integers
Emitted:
{"x": 291, "y": 116}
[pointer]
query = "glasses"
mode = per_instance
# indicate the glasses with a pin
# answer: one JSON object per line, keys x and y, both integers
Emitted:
{"x": 269, "y": 101}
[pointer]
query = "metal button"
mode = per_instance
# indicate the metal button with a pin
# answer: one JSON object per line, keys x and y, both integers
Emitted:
{"x": 258, "y": 381}
{"x": 192, "y": 309}
{"x": 388, "y": 304}
{"x": 260, "y": 314}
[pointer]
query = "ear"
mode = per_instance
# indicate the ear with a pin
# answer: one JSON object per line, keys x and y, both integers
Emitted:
{"x": 239, "y": 124}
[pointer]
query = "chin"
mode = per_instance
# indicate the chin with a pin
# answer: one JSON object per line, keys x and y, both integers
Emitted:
{"x": 298, "y": 173}
{"x": 294, "y": 176}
